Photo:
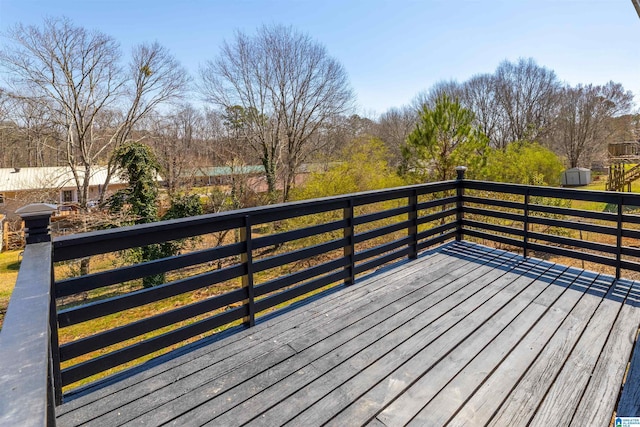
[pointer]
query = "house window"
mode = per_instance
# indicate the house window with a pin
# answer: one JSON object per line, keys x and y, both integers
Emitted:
{"x": 67, "y": 196}
{"x": 1, "y": 199}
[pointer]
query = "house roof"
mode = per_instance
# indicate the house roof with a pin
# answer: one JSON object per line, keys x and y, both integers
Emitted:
{"x": 249, "y": 169}
{"x": 625, "y": 142}
{"x": 223, "y": 170}
{"x": 58, "y": 177}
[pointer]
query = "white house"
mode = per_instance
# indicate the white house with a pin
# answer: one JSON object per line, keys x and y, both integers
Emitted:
{"x": 21, "y": 186}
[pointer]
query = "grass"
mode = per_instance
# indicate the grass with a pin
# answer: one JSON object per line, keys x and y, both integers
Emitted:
{"x": 9, "y": 265}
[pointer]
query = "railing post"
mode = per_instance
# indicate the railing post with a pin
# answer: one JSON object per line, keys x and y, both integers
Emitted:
{"x": 349, "y": 246}
{"x": 37, "y": 224}
{"x": 619, "y": 236}
{"x": 30, "y": 367}
{"x": 247, "y": 280}
{"x": 460, "y": 170}
{"x": 525, "y": 237}
{"x": 413, "y": 225}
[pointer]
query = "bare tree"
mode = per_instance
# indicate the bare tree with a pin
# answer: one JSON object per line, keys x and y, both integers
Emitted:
{"x": 154, "y": 77}
{"x": 527, "y": 96}
{"x": 174, "y": 137}
{"x": 9, "y": 132}
{"x": 394, "y": 126}
{"x": 581, "y": 127}
{"x": 479, "y": 95}
{"x": 288, "y": 86}
{"x": 77, "y": 74}
{"x": 428, "y": 98}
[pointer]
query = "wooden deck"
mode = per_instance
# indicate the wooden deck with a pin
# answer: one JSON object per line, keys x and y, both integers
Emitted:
{"x": 465, "y": 335}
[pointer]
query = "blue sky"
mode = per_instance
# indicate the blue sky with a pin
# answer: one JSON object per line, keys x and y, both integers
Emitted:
{"x": 391, "y": 49}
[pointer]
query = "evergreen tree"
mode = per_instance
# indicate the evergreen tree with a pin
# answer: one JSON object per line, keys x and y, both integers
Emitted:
{"x": 443, "y": 138}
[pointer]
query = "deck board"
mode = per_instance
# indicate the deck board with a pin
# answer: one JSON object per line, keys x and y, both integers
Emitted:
{"x": 444, "y": 410}
{"x": 403, "y": 365}
{"x": 603, "y": 388}
{"x": 357, "y": 343}
{"x": 221, "y": 377}
{"x": 411, "y": 402}
{"x": 564, "y": 395}
{"x": 513, "y": 392}
{"x": 466, "y": 334}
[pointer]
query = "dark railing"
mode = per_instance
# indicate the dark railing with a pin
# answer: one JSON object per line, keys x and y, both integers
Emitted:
{"x": 336, "y": 218}
{"x": 537, "y": 222}
{"x": 28, "y": 340}
{"x": 272, "y": 256}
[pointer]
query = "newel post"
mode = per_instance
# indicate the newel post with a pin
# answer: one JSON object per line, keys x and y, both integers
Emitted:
{"x": 37, "y": 219}
{"x": 460, "y": 170}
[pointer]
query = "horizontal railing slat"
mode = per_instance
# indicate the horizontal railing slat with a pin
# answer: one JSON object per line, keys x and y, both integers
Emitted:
{"x": 113, "y": 336}
{"x": 112, "y": 240}
{"x": 93, "y": 281}
{"x": 561, "y": 240}
{"x": 494, "y": 214}
{"x": 630, "y": 265}
{"x": 402, "y": 192}
{"x": 436, "y": 230}
{"x": 573, "y": 225}
{"x": 634, "y": 234}
{"x": 299, "y": 290}
{"x": 552, "y": 192}
{"x": 634, "y": 252}
{"x": 492, "y": 227}
{"x": 570, "y": 253}
{"x": 493, "y": 237}
{"x": 577, "y": 213}
{"x": 424, "y": 244}
{"x": 289, "y": 257}
{"x": 299, "y": 276}
{"x": 377, "y": 250}
{"x": 287, "y": 236}
{"x": 117, "y": 304}
{"x": 634, "y": 219}
{"x": 376, "y": 262}
{"x": 378, "y": 232}
{"x": 451, "y": 200}
{"x": 493, "y": 202}
{"x": 377, "y": 216}
{"x": 436, "y": 216}
{"x": 111, "y": 360}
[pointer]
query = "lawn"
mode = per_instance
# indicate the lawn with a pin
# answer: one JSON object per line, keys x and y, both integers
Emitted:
{"x": 9, "y": 264}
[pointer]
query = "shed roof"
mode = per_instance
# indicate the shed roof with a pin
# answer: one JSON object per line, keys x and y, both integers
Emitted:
{"x": 578, "y": 169}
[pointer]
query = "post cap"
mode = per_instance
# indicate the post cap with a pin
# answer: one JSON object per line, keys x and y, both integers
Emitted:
{"x": 460, "y": 170}
{"x": 37, "y": 209}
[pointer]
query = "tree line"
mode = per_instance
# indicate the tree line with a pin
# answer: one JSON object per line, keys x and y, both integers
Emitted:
{"x": 275, "y": 98}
